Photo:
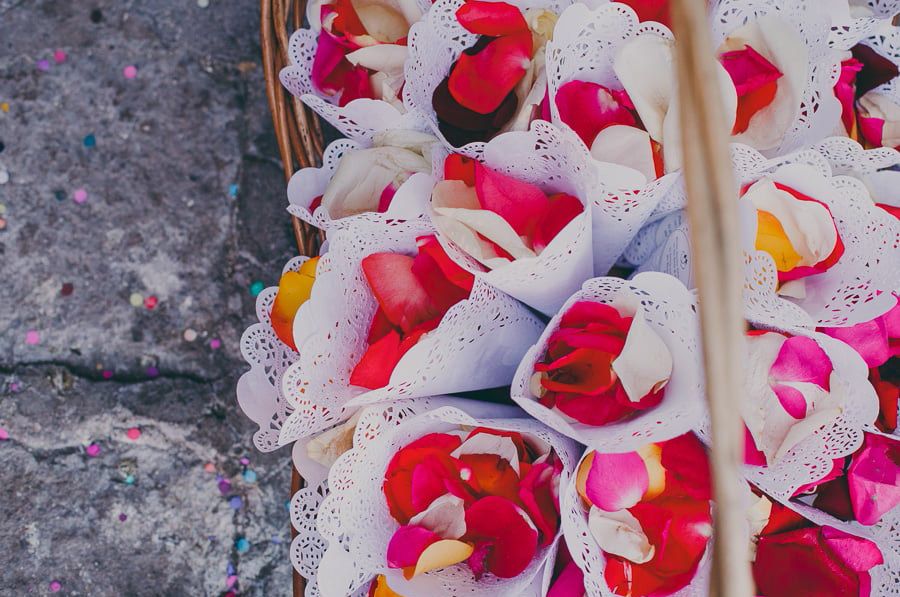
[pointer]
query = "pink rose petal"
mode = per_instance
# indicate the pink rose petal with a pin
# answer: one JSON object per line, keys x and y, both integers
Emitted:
{"x": 407, "y": 544}
{"x": 802, "y": 359}
{"x": 874, "y": 478}
{"x": 617, "y": 481}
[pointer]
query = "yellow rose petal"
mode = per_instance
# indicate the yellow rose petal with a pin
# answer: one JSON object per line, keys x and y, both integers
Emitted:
{"x": 771, "y": 238}
{"x": 440, "y": 554}
{"x": 652, "y": 455}
{"x": 581, "y": 477}
{"x": 382, "y": 589}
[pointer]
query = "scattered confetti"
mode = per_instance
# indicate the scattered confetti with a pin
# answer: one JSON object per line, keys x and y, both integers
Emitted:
{"x": 249, "y": 476}
{"x": 43, "y": 65}
{"x": 4, "y": 434}
{"x": 130, "y": 71}
{"x": 152, "y": 371}
{"x": 55, "y": 586}
{"x": 59, "y": 56}
{"x": 150, "y": 302}
{"x": 96, "y": 15}
{"x": 233, "y": 190}
{"x": 235, "y": 502}
{"x": 32, "y": 337}
{"x": 90, "y": 140}
{"x": 79, "y": 196}
{"x": 129, "y": 480}
{"x": 224, "y": 486}
{"x": 93, "y": 450}
{"x": 107, "y": 374}
{"x": 67, "y": 289}
{"x": 123, "y": 517}
{"x": 256, "y": 288}
{"x": 242, "y": 545}
{"x": 215, "y": 344}
{"x": 209, "y": 467}
{"x": 190, "y": 334}
{"x": 133, "y": 434}
{"x": 136, "y": 299}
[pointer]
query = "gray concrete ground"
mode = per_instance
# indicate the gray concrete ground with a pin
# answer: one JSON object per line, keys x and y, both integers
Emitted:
{"x": 79, "y": 364}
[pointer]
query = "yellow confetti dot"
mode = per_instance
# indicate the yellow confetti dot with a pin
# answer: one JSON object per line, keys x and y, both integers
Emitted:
{"x": 136, "y": 299}
{"x": 4, "y": 107}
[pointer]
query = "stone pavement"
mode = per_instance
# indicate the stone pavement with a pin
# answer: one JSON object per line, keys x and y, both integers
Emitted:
{"x": 178, "y": 201}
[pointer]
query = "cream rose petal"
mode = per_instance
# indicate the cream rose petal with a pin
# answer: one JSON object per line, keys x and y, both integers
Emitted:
{"x": 384, "y": 20}
{"x": 491, "y": 226}
{"x": 645, "y": 363}
{"x": 644, "y": 66}
{"x": 385, "y": 58}
{"x": 627, "y": 146}
{"x": 808, "y": 225}
{"x": 488, "y": 443}
{"x": 879, "y": 105}
{"x": 326, "y": 447}
{"x": 411, "y": 199}
{"x": 445, "y": 516}
{"x": 619, "y": 533}
{"x": 777, "y": 41}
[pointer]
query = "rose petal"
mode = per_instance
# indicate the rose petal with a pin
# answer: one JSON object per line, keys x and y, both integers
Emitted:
{"x": 619, "y": 533}
{"x": 616, "y": 481}
{"x": 385, "y": 58}
{"x": 583, "y": 371}
{"x": 441, "y": 554}
{"x": 398, "y": 292}
{"x": 521, "y": 204}
{"x": 430, "y": 246}
{"x": 489, "y": 443}
{"x": 651, "y": 10}
{"x": 792, "y": 400}
{"x": 459, "y": 167}
{"x": 686, "y": 467}
{"x": 595, "y": 410}
{"x": 801, "y": 359}
{"x": 645, "y": 364}
{"x": 460, "y": 125}
{"x": 569, "y": 583}
{"x": 876, "y": 69}
{"x": 442, "y": 292}
{"x": 445, "y": 516}
{"x": 375, "y": 367}
{"x": 644, "y": 66}
{"x": 506, "y": 536}
{"x": 397, "y": 486}
{"x": 329, "y": 69}
{"x": 491, "y": 475}
{"x": 631, "y": 147}
{"x": 294, "y": 289}
{"x": 874, "y": 478}
{"x": 491, "y": 18}
{"x": 562, "y": 209}
{"x": 589, "y": 108}
{"x": 503, "y": 62}
{"x": 539, "y": 493}
{"x": 407, "y": 544}
{"x": 481, "y": 223}
{"x": 583, "y": 313}
{"x": 755, "y": 80}
{"x": 845, "y": 91}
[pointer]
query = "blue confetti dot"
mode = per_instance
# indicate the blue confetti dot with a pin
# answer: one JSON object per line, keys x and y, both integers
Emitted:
{"x": 129, "y": 479}
{"x": 242, "y": 545}
{"x": 256, "y": 288}
{"x": 233, "y": 190}
{"x": 230, "y": 569}
{"x": 250, "y": 476}
{"x": 90, "y": 141}
{"x": 235, "y": 502}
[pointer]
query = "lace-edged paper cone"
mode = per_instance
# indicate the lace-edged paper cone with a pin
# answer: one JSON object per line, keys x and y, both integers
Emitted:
{"x": 588, "y": 556}
{"x": 410, "y": 201}
{"x": 851, "y": 398}
{"x": 355, "y": 521}
{"x": 671, "y": 311}
{"x": 259, "y": 390}
{"x": 856, "y": 289}
{"x": 331, "y": 330}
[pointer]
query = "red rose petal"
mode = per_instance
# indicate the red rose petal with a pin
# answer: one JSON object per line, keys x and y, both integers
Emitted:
{"x": 379, "y": 327}
{"x": 356, "y": 85}
{"x": 503, "y": 62}
{"x": 397, "y": 290}
{"x": 593, "y": 410}
{"x": 442, "y": 292}
{"x": 584, "y": 312}
{"x": 459, "y": 167}
{"x": 651, "y": 10}
{"x": 407, "y": 544}
{"x": 329, "y": 68}
{"x": 583, "y": 371}
{"x": 876, "y": 71}
{"x": 374, "y": 369}
{"x": 397, "y": 486}
{"x": 833, "y": 497}
{"x": 505, "y": 541}
{"x": 687, "y": 467}
{"x": 538, "y": 492}
{"x": 460, "y": 125}
{"x": 492, "y": 475}
{"x": 588, "y": 108}
{"x": 563, "y": 209}
{"x": 521, "y": 204}
{"x": 491, "y": 18}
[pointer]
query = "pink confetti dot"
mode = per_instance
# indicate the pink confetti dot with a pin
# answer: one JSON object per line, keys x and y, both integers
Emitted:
{"x": 245, "y": 461}
{"x": 4, "y": 434}
{"x": 55, "y": 586}
{"x": 107, "y": 374}
{"x": 215, "y": 344}
{"x": 230, "y": 581}
{"x": 79, "y": 196}
{"x": 93, "y": 450}
{"x": 209, "y": 467}
{"x": 43, "y": 65}
{"x": 150, "y": 302}
{"x": 134, "y": 433}
{"x": 130, "y": 71}
{"x": 32, "y": 337}
{"x": 59, "y": 56}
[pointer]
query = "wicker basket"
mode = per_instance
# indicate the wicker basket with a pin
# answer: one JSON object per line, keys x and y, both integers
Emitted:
{"x": 716, "y": 256}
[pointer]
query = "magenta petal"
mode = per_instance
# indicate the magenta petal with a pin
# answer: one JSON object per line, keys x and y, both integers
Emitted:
{"x": 616, "y": 481}
{"x": 845, "y": 91}
{"x": 519, "y": 203}
{"x": 874, "y": 478}
{"x": 329, "y": 54}
{"x": 859, "y": 554}
{"x": 407, "y": 544}
{"x": 588, "y": 108}
{"x": 802, "y": 359}
{"x": 569, "y": 583}
{"x": 748, "y": 69}
{"x": 791, "y": 400}
{"x": 872, "y": 129}
{"x": 427, "y": 484}
{"x": 869, "y": 339}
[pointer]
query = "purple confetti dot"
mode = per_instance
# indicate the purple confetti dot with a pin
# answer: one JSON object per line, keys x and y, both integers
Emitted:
{"x": 229, "y": 570}
{"x": 245, "y": 461}
{"x": 215, "y": 344}
{"x": 235, "y": 502}
{"x": 44, "y": 65}
{"x": 14, "y": 387}
{"x": 152, "y": 371}
{"x": 123, "y": 517}
{"x": 224, "y": 486}
{"x": 55, "y": 586}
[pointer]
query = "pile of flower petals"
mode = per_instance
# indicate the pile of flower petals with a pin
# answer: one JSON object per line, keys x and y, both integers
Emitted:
{"x": 486, "y": 498}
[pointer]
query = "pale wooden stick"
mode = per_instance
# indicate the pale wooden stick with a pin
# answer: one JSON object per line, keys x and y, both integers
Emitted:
{"x": 712, "y": 214}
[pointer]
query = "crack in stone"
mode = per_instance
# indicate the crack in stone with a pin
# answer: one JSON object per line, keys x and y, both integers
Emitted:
{"x": 92, "y": 375}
